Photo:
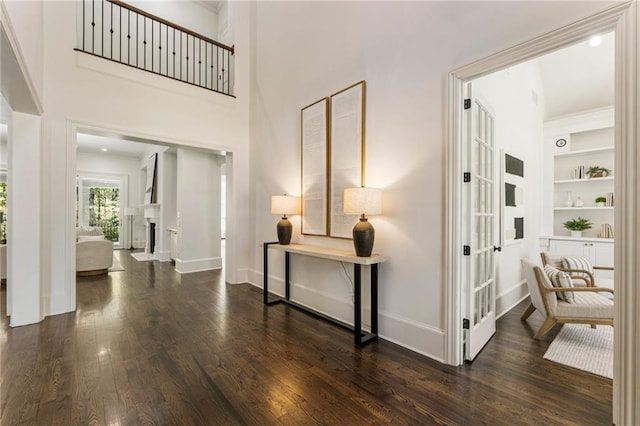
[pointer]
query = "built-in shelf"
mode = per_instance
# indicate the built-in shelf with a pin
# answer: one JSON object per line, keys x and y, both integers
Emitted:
{"x": 580, "y": 239}
{"x": 585, "y": 151}
{"x": 584, "y": 208}
{"x": 591, "y": 180}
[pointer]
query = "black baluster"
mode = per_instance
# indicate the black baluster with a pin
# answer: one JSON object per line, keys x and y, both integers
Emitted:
{"x": 194, "y": 61}
{"x": 187, "y": 69}
{"x": 93, "y": 26}
{"x": 102, "y": 27}
{"x": 144, "y": 20}
{"x": 218, "y": 65}
{"x": 199, "y": 62}
{"x": 174, "y": 53}
{"x": 137, "y": 39}
{"x": 128, "y": 37}
{"x": 206, "y": 51}
{"x": 167, "y": 50}
{"x": 111, "y": 30}
{"x": 180, "y": 55}
{"x": 84, "y": 23}
{"x": 151, "y": 46}
{"x": 120, "y": 44}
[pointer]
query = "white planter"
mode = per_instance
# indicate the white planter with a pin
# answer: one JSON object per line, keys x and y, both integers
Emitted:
{"x": 576, "y": 234}
{"x": 599, "y": 204}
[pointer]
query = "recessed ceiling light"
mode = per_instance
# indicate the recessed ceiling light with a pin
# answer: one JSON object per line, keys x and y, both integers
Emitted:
{"x": 595, "y": 41}
{"x": 104, "y": 149}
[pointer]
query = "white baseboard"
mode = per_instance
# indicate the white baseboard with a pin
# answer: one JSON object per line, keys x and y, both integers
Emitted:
{"x": 242, "y": 276}
{"x": 511, "y": 298}
{"x": 418, "y": 337}
{"x": 163, "y": 256}
{"x": 197, "y": 265}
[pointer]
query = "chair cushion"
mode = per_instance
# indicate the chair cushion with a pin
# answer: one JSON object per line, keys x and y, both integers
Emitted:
{"x": 577, "y": 262}
{"x": 560, "y": 279}
{"x": 587, "y": 305}
{"x": 554, "y": 259}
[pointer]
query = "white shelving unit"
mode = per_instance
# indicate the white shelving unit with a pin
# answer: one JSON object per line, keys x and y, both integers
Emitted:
{"x": 585, "y": 139}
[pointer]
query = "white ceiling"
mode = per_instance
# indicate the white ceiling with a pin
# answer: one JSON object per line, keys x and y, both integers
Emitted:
{"x": 578, "y": 78}
{"x": 93, "y": 144}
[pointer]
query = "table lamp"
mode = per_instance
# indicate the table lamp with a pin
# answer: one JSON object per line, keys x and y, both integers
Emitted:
{"x": 284, "y": 205}
{"x": 363, "y": 201}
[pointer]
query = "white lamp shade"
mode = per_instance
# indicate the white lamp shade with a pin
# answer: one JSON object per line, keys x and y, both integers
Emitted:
{"x": 362, "y": 201}
{"x": 285, "y": 204}
{"x": 130, "y": 211}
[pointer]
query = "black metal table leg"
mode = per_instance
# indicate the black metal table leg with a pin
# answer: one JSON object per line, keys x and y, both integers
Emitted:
{"x": 286, "y": 275}
{"x": 357, "y": 306}
{"x": 374, "y": 299}
{"x": 265, "y": 271}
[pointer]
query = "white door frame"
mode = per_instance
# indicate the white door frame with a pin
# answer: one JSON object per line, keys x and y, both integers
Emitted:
{"x": 623, "y": 18}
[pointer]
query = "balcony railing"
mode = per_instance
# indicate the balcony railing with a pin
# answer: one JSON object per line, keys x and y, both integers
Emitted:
{"x": 122, "y": 33}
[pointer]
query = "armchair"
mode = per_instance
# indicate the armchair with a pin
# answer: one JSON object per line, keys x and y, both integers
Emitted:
{"x": 589, "y": 307}
{"x": 585, "y": 274}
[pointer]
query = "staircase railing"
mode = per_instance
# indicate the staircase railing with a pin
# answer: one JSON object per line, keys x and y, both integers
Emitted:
{"x": 121, "y": 33}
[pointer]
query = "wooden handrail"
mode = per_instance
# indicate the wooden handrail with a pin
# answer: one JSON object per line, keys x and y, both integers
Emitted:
{"x": 171, "y": 24}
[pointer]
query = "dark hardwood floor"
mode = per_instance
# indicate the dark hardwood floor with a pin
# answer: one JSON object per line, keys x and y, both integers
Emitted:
{"x": 148, "y": 346}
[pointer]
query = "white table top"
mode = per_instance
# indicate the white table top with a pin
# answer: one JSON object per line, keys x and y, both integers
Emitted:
{"x": 331, "y": 254}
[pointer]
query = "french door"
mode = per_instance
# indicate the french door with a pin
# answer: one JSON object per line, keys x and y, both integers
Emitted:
{"x": 480, "y": 216}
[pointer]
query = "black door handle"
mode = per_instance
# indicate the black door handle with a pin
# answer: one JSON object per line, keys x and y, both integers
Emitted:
{"x": 497, "y": 248}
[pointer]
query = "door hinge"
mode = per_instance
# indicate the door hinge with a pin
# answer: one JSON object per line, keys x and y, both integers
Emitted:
{"x": 467, "y": 103}
{"x": 465, "y": 323}
{"x": 466, "y": 177}
{"x": 466, "y": 250}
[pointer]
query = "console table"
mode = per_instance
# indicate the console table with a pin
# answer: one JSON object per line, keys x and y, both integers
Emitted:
{"x": 360, "y": 337}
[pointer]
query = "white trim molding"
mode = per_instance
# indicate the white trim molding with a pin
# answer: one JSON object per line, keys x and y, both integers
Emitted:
{"x": 624, "y": 19}
{"x": 198, "y": 265}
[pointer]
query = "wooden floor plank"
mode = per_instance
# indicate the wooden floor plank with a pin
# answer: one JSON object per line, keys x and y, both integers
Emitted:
{"x": 150, "y": 346}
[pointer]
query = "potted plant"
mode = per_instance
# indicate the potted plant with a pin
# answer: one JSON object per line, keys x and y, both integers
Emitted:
{"x": 576, "y": 226}
{"x": 597, "y": 172}
{"x": 600, "y": 201}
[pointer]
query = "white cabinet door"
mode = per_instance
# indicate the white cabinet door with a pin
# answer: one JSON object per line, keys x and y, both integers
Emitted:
{"x": 602, "y": 255}
{"x": 570, "y": 248}
{"x": 598, "y": 253}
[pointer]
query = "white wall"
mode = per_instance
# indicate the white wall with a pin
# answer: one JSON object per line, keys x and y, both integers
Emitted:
{"x": 187, "y": 14}
{"x": 337, "y": 44}
{"x": 86, "y": 92}
{"x": 4, "y": 159}
{"x": 198, "y": 211}
{"x": 26, "y": 20}
{"x": 516, "y": 97}
{"x": 168, "y": 201}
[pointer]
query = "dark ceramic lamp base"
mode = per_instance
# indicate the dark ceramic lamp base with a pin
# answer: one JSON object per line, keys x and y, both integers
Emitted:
{"x": 285, "y": 230}
{"x": 363, "y": 236}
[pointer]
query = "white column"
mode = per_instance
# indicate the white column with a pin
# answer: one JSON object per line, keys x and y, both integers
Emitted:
{"x": 24, "y": 233}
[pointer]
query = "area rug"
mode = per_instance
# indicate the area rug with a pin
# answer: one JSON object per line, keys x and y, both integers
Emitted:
{"x": 584, "y": 348}
{"x": 143, "y": 257}
{"x": 116, "y": 266}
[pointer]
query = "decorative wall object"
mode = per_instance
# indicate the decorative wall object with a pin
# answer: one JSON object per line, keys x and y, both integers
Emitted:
{"x": 150, "y": 188}
{"x": 512, "y": 210}
{"x": 347, "y": 154}
{"x": 315, "y": 149}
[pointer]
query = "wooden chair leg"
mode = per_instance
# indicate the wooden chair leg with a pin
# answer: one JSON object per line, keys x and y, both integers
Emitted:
{"x": 544, "y": 328}
{"x": 530, "y": 309}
